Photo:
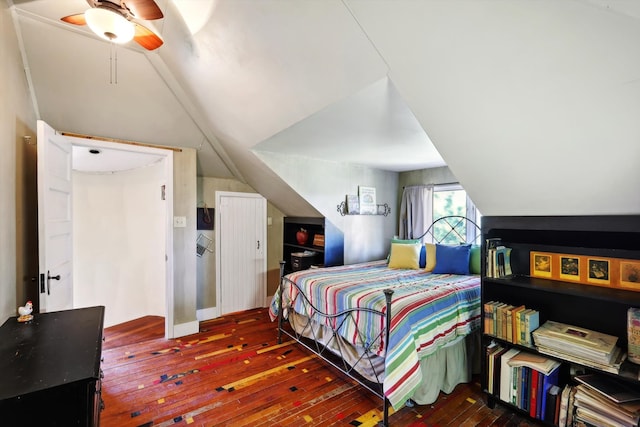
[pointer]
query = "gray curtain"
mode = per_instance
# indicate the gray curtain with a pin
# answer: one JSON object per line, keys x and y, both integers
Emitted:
{"x": 416, "y": 211}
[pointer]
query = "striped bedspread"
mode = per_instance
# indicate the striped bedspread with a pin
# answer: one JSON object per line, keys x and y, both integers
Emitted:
{"x": 428, "y": 312}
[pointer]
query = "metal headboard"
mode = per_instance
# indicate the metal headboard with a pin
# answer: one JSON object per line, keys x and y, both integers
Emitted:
{"x": 453, "y": 225}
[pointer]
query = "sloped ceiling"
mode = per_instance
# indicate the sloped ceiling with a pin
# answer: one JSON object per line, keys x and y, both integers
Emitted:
{"x": 533, "y": 105}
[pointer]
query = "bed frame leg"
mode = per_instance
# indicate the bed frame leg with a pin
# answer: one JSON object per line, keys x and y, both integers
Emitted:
{"x": 388, "y": 293}
{"x": 385, "y": 422}
{"x": 280, "y": 310}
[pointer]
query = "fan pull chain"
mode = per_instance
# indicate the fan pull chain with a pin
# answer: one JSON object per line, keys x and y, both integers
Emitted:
{"x": 113, "y": 63}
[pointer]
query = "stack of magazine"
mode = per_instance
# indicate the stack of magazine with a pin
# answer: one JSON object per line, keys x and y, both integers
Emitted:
{"x": 579, "y": 345}
{"x": 605, "y": 401}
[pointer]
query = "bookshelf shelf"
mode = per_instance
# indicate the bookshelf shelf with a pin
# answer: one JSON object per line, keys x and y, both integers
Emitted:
{"x": 580, "y": 290}
{"x": 598, "y": 308}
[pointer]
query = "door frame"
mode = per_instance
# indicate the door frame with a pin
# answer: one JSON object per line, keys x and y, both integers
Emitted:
{"x": 218, "y": 196}
{"x": 168, "y": 183}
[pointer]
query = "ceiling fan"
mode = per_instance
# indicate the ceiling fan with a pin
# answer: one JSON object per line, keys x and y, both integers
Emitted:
{"x": 116, "y": 21}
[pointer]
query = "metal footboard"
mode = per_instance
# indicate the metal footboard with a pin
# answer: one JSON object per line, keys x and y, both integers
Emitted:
{"x": 307, "y": 335}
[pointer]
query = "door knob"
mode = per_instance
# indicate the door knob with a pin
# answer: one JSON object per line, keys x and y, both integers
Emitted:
{"x": 53, "y": 277}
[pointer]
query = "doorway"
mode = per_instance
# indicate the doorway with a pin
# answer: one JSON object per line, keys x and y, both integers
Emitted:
{"x": 122, "y": 206}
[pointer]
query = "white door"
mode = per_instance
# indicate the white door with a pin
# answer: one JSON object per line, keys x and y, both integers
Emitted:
{"x": 241, "y": 263}
{"x": 54, "y": 220}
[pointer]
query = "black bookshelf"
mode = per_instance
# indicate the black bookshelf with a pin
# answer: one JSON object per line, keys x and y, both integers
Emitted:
{"x": 599, "y": 308}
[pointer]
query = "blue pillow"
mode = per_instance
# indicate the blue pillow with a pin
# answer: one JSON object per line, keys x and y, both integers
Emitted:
{"x": 452, "y": 259}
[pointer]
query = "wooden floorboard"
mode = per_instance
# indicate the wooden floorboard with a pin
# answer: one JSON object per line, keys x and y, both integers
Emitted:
{"x": 234, "y": 373}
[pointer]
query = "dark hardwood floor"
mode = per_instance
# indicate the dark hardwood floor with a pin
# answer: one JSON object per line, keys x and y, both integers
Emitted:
{"x": 233, "y": 373}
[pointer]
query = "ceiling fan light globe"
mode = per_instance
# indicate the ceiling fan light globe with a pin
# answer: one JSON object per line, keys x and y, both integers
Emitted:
{"x": 110, "y": 25}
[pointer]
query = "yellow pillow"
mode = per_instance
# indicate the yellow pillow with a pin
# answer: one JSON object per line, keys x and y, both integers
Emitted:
{"x": 431, "y": 256}
{"x": 405, "y": 255}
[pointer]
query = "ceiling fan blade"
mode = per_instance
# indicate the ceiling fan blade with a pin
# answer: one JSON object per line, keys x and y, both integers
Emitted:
{"x": 77, "y": 19}
{"x": 143, "y": 9}
{"x": 147, "y": 38}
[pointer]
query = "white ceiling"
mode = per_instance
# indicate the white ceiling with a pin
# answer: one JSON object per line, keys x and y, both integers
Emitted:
{"x": 373, "y": 127}
{"x": 107, "y": 160}
{"x": 503, "y": 89}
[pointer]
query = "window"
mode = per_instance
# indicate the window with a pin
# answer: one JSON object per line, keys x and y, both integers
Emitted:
{"x": 448, "y": 200}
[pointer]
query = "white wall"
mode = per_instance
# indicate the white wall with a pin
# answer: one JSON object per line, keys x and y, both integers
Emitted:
{"x": 532, "y": 104}
{"x": 325, "y": 184}
{"x": 17, "y": 118}
{"x": 119, "y": 242}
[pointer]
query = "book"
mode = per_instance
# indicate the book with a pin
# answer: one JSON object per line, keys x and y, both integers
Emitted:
{"x": 564, "y": 402}
{"x": 488, "y": 317}
{"x": 617, "y": 391}
{"x": 534, "y": 393}
{"x": 518, "y": 386}
{"x": 548, "y": 381}
{"x": 506, "y": 376}
{"x": 604, "y": 410}
{"x": 613, "y": 366}
{"x": 571, "y": 339}
{"x": 504, "y": 322}
{"x": 524, "y": 387}
{"x": 550, "y": 411}
{"x": 496, "y": 309}
{"x": 515, "y": 313}
{"x": 538, "y": 362}
{"x": 508, "y": 321}
{"x": 531, "y": 323}
{"x": 633, "y": 334}
{"x": 502, "y": 261}
{"x": 497, "y": 357}
{"x": 492, "y": 349}
{"x": 523, "y": 339}
{"x": 571, "y": 406}
{"x": 491, "y": 244}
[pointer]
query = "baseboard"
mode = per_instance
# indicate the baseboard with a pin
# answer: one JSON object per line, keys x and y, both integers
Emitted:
{"x": 207, "y": 313}
{"x": 184, "y": 329}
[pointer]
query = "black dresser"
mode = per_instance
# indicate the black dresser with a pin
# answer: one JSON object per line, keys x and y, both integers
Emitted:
{"x": 50, "y": 369}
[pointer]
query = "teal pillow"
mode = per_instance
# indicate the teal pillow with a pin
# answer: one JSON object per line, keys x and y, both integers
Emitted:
{"x": 452, "y": 259}
{"x": 474, "y": 259}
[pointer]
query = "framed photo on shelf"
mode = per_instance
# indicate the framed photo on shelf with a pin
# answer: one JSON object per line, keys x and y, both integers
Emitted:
{"x": 630, "y": 274}
{"x": 353, "y": 204}
{"x": 569, "y": 267}
{"x": 367, "y": 200}
{"x": 599, "y": 271}
{"x": 541, "y": 264}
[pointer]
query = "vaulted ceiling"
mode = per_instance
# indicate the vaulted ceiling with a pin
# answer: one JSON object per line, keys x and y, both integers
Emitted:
{"x": 511, "y": 95}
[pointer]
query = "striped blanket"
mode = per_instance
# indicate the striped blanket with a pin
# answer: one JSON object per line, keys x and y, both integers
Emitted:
{"x": 429, "y": 311}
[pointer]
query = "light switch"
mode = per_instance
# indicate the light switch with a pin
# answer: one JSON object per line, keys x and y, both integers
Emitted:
{"x": 269, "y": 220}
{"x": 179, "y": 221}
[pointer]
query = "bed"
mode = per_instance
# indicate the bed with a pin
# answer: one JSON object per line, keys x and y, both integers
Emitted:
{"x": 425, "y": 346}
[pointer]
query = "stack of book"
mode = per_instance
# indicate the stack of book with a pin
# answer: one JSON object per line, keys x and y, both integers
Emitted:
{"x": 579, "y": 345}
{"x": 498, "y": 260}
{"x": 510, "y": 323}
{"x": 522, "y": 379}
{"x": 605, "y": 401}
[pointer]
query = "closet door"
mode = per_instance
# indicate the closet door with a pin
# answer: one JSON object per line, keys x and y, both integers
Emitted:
{"x": 241, "y": 261}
